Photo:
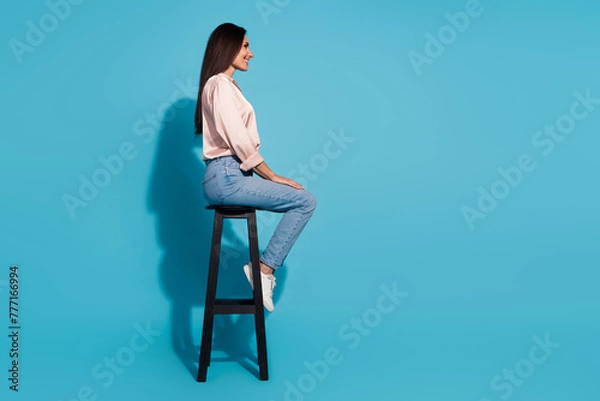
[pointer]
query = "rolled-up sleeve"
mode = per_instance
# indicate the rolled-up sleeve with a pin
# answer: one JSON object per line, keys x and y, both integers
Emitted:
{"x": 229, "y": 124}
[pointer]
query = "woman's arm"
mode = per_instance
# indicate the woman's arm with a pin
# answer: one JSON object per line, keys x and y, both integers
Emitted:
{"x": 265, "y": 172}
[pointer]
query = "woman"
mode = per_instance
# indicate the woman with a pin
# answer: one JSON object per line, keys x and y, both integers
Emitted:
{"x": 230, "y": 146}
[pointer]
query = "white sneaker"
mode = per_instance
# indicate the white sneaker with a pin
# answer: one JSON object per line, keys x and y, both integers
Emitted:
{"x": 267, "y": 282}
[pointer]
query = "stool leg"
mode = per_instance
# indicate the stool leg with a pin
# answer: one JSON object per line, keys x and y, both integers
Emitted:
{"x": 259, "y": 313}
{"x": 211, "y": 292}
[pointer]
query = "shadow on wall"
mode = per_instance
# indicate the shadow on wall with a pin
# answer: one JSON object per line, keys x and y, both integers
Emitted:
{"x": 184, "y": 229}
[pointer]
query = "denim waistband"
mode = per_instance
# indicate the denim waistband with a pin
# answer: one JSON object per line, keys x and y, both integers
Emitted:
{"x": 232, "y": 162}
{"x": 229, "y": 160}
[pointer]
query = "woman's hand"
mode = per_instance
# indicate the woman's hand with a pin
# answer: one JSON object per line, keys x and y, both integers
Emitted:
{"x": 283, "y": 180}
{"x": 265, "y": 172}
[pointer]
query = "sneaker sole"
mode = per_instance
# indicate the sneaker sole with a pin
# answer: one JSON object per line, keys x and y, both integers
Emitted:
{"x": 248, "y": 272}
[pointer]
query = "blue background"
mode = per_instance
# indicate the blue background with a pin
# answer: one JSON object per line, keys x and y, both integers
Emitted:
{"x": 421, "y": 141}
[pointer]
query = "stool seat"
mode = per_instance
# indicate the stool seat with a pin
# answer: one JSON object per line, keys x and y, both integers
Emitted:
{"x": 221, "y": 306}
{"x": 233, "y": 208}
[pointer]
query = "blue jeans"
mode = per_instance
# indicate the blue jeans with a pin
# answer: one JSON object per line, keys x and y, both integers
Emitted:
{"x": 226, "y": 184}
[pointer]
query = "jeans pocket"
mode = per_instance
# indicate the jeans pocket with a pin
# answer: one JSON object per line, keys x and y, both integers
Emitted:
{"x": 209, "y": 177}
{"x": 229, "y": 182}
{"x": 233, "y": 170}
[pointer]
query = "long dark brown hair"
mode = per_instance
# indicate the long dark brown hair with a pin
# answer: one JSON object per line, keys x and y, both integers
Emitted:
{"x": 223, "y": 46}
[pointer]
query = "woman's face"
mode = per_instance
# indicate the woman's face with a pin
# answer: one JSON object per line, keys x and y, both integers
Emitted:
{"x": 241, "y": 60}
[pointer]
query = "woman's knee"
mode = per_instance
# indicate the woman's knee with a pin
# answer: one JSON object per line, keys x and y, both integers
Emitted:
{"x": 309, "y": 202}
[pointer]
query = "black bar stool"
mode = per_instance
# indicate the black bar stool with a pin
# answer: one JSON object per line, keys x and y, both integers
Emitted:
{"x": 214, "y": 306}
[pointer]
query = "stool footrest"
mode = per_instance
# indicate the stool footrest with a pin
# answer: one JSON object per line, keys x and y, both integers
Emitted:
{"x": 234, "y": 306}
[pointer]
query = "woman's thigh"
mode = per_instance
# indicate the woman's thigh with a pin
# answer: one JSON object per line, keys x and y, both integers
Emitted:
{"x": 268, "y": 195}
{"x": 225, "y": 184}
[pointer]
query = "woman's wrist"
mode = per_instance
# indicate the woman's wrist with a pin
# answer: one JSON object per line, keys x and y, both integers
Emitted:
{"x": 265, "y": 172}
